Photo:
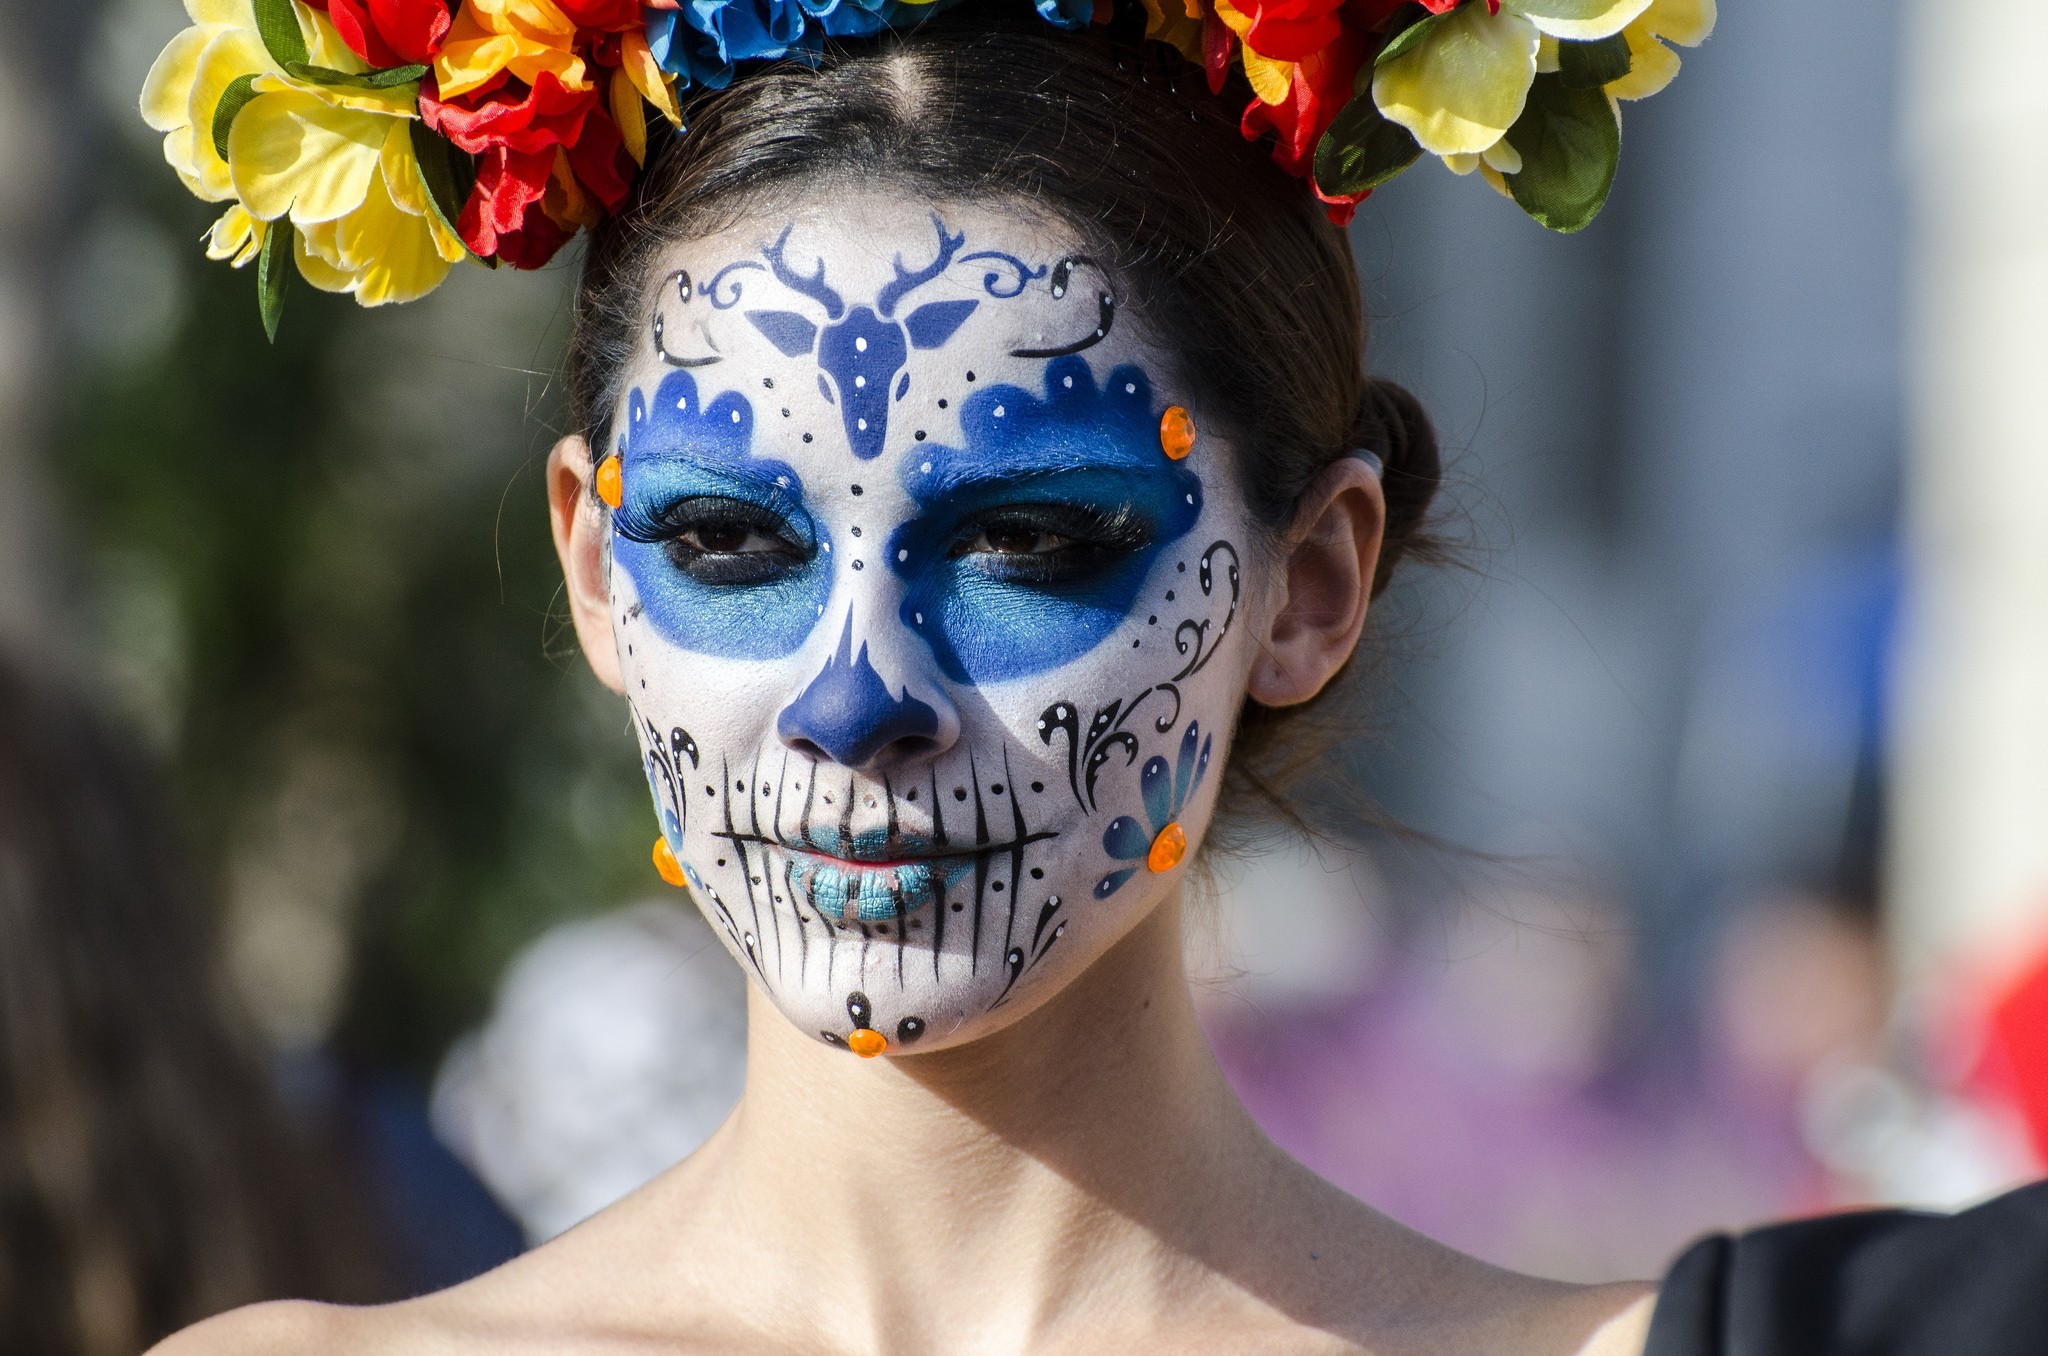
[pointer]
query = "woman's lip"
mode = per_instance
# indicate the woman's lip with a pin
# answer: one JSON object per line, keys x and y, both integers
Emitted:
{"x": 871, "y": 863}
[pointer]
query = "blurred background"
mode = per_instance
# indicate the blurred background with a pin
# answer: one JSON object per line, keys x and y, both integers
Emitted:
{"x": 1736, "y": 700}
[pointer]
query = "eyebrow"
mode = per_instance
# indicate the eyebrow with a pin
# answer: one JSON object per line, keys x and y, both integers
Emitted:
{"x": 954, "y": 472}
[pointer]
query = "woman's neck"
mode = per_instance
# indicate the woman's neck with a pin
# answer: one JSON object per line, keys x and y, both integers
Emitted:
{"x": 1044, "y": 1176}
{"x": 1083, "y": 1180}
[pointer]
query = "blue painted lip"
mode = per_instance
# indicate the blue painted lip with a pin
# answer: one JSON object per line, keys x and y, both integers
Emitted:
{"x": 871, "y": 891}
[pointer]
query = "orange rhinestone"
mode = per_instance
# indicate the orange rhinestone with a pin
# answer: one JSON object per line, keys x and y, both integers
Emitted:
{"x": 665, "y": 862}
{"x": 1176, "y": 432}
{"x": 1168, "y": 848}
{"x": 611, "y": 482}
{"x": 865, "y": 1043}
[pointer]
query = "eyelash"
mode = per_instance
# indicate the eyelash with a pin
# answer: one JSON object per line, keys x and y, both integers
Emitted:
{"x": 674, "y": 526}
{"x": 1089, "y": 539}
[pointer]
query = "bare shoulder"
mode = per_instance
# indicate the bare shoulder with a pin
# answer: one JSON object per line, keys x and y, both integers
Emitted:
{"x": 1621, "y": 1314}
{"x": 1532, "y": 1315}
{"x": 433, "y": 1325}
{"x": 280, "y": 1328}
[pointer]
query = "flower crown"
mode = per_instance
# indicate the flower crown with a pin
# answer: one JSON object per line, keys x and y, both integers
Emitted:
{"x": 376, "y": 143}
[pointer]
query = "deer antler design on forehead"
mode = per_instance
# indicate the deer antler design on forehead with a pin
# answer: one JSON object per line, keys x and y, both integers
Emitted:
{"x": 908, "y": 280}
{"x": 861, "y": 350}
{"x": 804, "y": 285}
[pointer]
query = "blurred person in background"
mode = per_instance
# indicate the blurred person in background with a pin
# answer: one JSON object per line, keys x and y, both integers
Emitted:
{"x": 149, "y": 1176}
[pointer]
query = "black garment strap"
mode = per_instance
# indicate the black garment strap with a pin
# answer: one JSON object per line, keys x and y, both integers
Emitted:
{"x": 1873, "y": 1283}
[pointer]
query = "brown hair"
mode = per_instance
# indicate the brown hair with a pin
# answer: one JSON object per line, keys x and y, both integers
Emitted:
{"x": 1231, "y": 261}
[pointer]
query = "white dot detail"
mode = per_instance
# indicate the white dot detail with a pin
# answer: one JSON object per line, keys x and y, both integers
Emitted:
{"x": 860, "y": 345}
{"x": 925, "y": 469}
{"x": 999, "y": 411}
{"x": 735, "y": 416}
{"x": 1130, "y": 388}
{"x": 903, "y": 555}
{"x": 863, "y": 424}
{"x": 859, "y": 382}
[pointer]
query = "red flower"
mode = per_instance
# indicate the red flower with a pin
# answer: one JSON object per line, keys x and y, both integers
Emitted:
{"x": 509, "y": 114}
{"x": 389, "y": 32}
{"x": 504, "y": 218}
{"x": 551, "y": 160}
{"x": 615, "y": 16}
{"x": 1289, "y": 30}
{"x": 1322, "y": 86}
{"x": 602, "y": 165}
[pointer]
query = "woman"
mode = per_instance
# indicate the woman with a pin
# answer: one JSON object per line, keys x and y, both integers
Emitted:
{"x": 977, "y": 478}
{"x": 977, "y": 488}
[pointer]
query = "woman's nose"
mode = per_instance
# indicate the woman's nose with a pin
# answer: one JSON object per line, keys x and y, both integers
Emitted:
{"x": 847, "y": 715}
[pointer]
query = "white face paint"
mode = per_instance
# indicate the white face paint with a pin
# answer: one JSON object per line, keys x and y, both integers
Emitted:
{"x": 932, "y": 645}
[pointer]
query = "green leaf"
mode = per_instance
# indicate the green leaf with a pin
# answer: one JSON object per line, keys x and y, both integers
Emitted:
{"x": 273, "y": 270}
{"x": 1570, "y": 141}
{"x": 1409, "y": 38}
{"x": 387, "y": 78}
{"x": 232, "y": 100}
{"x": 449, "y": 174}
{"x": 1589, "y": 65}
{"x": 277, "y": 21}
{"x": 1363, "y": 149}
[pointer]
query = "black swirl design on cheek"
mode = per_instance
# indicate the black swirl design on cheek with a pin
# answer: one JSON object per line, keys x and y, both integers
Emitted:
{"x": 664, "y": 760}
{"x": 1195, "y": 639}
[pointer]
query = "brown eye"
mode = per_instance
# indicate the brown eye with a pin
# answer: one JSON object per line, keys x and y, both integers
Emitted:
{"x": 1020, "y": 541}
{"x": 723, "y": 539}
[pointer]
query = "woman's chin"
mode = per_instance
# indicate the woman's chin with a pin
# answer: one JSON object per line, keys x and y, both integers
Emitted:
{"x": 889, "y": 986}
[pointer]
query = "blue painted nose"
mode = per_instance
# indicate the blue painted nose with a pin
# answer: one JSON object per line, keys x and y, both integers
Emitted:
{"x": 847, "y": 715}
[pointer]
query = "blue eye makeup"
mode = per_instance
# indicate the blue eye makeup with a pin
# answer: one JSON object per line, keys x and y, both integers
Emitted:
{"x": 1034, "y": 537}
{"x": 720, "y": 550}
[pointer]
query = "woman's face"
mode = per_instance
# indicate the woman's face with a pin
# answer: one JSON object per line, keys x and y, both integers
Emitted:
{"x": 927, "y": 586}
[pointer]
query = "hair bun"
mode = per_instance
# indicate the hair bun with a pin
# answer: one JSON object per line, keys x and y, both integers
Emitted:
{"x": 1392, "y": 424}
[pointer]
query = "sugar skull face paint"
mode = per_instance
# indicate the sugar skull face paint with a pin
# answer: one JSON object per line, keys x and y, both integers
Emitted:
{"x": 926, "y": 591}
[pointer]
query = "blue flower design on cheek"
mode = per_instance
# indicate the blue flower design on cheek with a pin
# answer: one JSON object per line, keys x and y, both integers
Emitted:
{"x": 1166, "y": 793}
{"x": 1088, "y": 447}
{"x": 679, "y": 447}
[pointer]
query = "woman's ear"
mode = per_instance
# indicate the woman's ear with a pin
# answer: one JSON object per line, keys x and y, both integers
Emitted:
{"x": 1325, "y": 581}
{"x": 579, "y": 525}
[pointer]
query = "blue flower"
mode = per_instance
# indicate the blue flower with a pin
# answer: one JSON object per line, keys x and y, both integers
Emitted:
{"x": 1165, "y": 792}
{"x": 1067, "y": 14}
{"x": 701, "y": 42}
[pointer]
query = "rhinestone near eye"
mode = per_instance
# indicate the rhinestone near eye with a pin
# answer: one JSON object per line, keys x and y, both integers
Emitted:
{"x": 1176, "y": 433}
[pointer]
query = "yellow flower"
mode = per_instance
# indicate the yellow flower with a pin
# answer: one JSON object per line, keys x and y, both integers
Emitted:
{"x": 1651, "y": 64}
{"x": 524, "y": 37}
{"x": 1461, "y": 87}
{"x": 336, "y": 162}
{"x": 1268, "y": 77}
{"x": 237, "y": 237}
{"x": 1177, "y": 23}
{"x": 640, "y": 77}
